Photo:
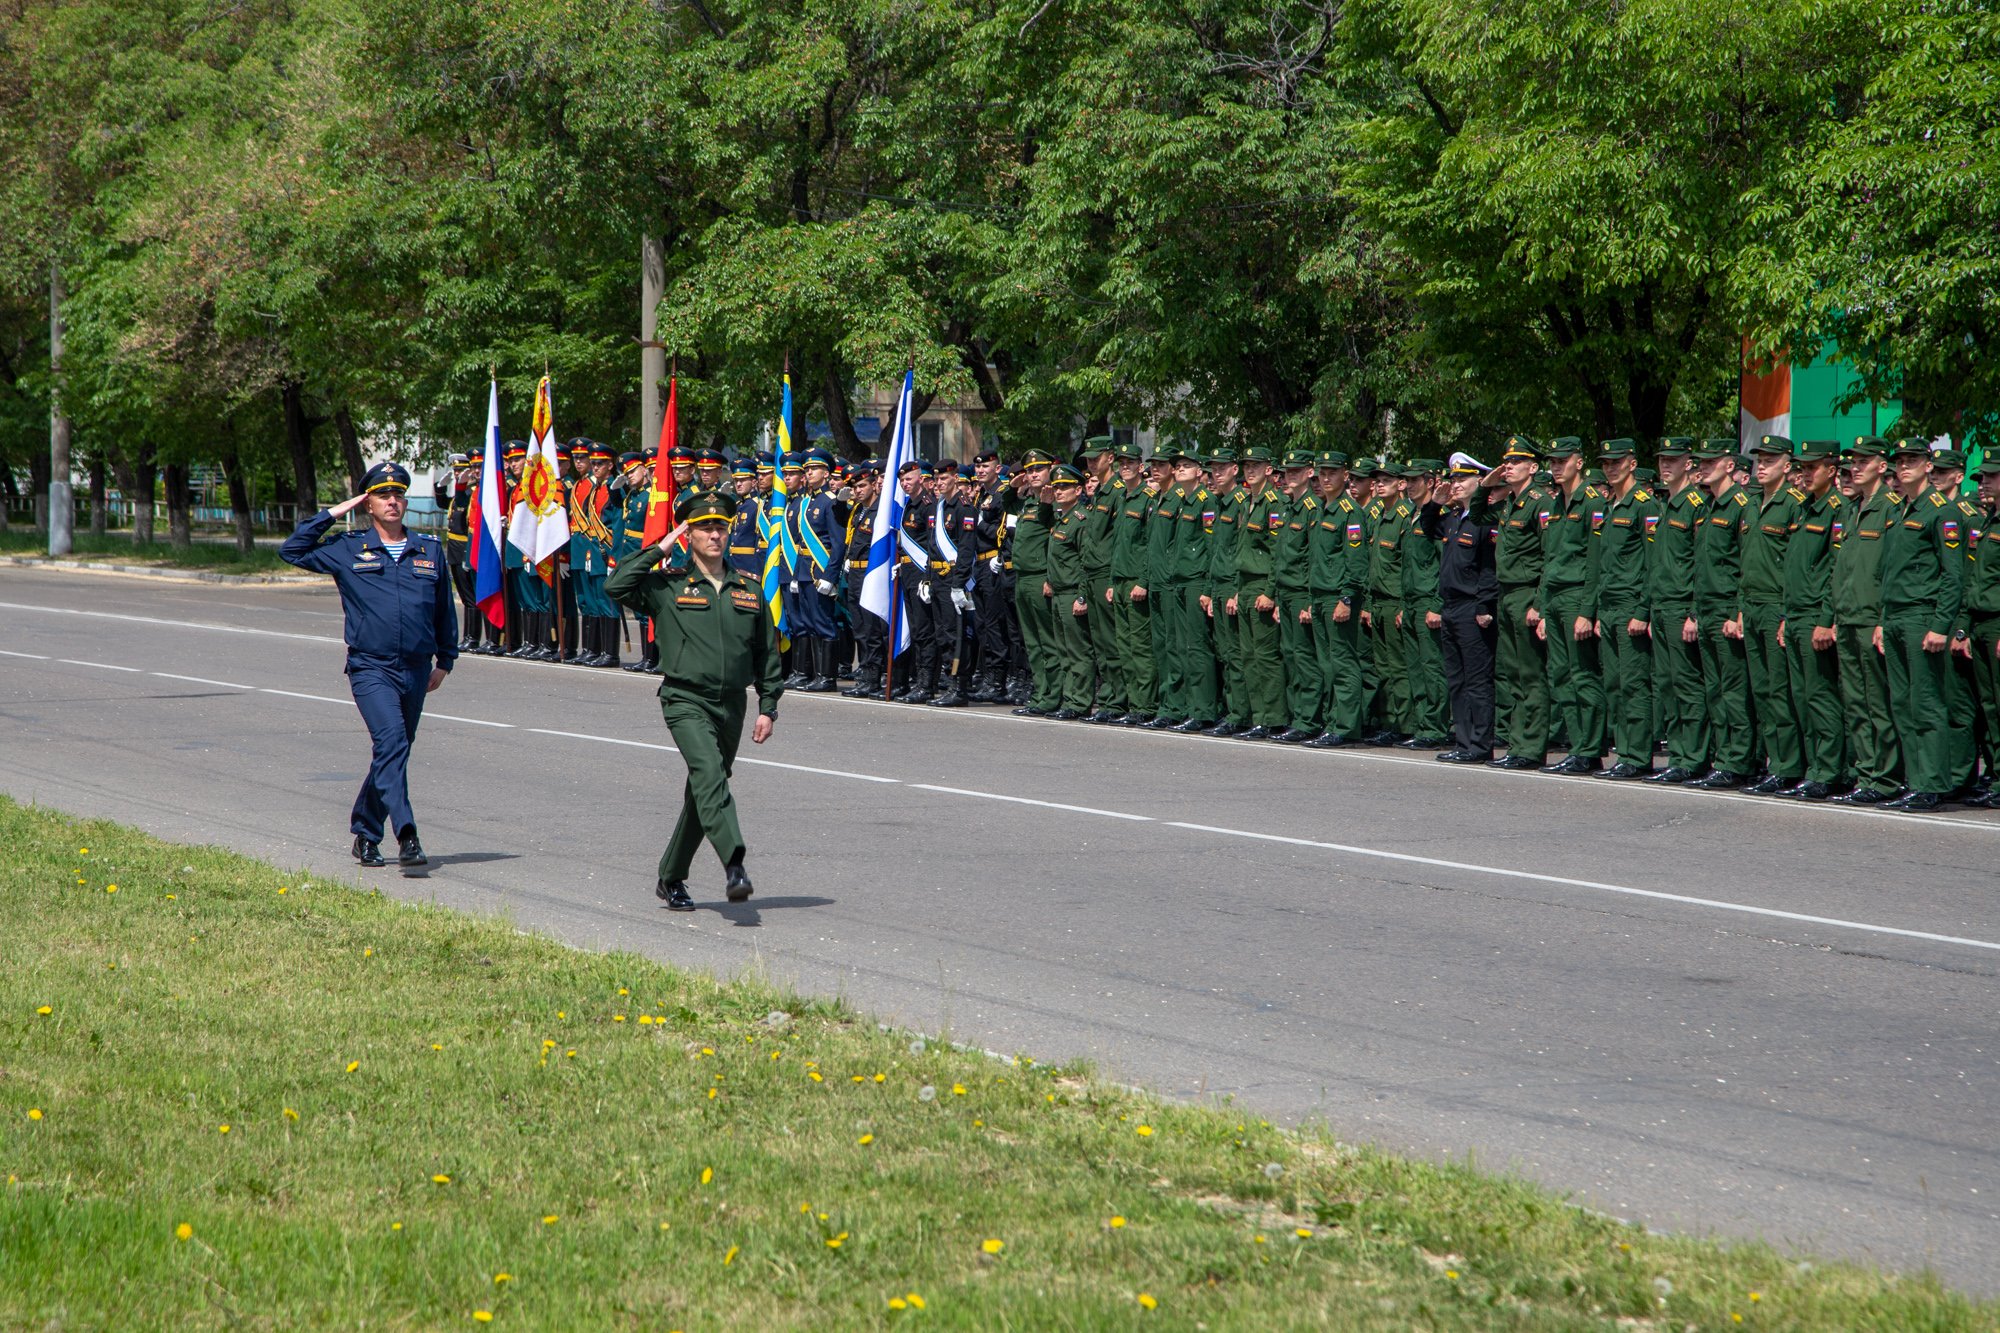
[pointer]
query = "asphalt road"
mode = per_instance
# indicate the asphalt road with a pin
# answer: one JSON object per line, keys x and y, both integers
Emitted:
{"x": 1702, "y": 1011}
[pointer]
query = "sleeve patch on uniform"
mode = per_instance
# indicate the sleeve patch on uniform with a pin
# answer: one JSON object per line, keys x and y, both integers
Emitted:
{"x": 746, "y": 600}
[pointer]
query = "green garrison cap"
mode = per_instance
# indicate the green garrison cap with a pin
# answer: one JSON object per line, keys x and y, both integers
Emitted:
{"x": 1065, "y": 475}
{"x": 1814, "y": 450}
{"x": 1330, "y": 458}
{"x": 1675, "y": 446}
{"x": 1948, "y": 458}
{"x": 1772, "y": 444}
{"x": 1124, "y": 449}
{"x": 1619, "y": 448}
{"x": 1869, "y": 446}
{"x": 1520, "y": 446}
{"x": 1562, "y": 446}
{"x": 1990, "y": 468}
{"x": 1911, "y": 444}
{"x": 1256, "y": 453}
{"x": 1095, "y": 445}
{"x": 1221, "y": 453}
{"x": 1715, "y": 447}
{"x": 708, "y": 507}
{"x": 1364, "y": 467}
{"x": 1298, "y": 458}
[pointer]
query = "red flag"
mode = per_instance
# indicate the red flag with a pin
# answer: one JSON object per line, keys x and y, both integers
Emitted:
{"x": 660, "y": 510}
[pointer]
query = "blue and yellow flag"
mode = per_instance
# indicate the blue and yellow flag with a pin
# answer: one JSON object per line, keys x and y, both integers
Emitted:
{"x": 779, "y": 552}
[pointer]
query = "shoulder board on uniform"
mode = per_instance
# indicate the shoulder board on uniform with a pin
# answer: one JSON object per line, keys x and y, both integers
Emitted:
{"x": 1201, "y": 493}
{"x": 1796, "y": 493}
{"x": 1937, "y": 500}
{"x": 1695, "y": 498}
{"x": 1740, "y": 498}
{"x": 1834, "y": 500}
{"x": 1967, "y": 508}
{"x": 1642, "y": 495}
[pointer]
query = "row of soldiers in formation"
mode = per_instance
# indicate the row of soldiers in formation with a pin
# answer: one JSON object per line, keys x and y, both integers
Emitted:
{"x": 1806, "y": 620}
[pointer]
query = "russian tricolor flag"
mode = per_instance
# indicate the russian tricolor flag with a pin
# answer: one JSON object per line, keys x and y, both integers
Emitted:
{"x": 487, "y": 508}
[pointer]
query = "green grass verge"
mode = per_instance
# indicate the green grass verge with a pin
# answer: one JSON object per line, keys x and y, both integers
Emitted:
{"x": 233, "y": 1096}
{"x": 214, "y": 557}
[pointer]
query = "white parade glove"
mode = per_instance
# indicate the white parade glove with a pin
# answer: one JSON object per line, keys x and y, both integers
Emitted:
{"x": 924, "y": 593}
{"x": 824, "y": 586}
{"x": 994, "y": 564}
{"x": 961, "y": 599}
{"x": 792, "y": 587}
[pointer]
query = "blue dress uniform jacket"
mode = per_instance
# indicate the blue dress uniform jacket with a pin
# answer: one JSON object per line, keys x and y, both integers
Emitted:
{"x": 401, "y": 619}
{"x": 818, "y": 532}
{"x": 746, "y": 538}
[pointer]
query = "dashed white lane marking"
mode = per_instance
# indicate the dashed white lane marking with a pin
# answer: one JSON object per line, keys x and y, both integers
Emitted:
{"x": 101, "y": 666}
{"x": 740, "y": 758}
{"x": 1023, "y": 800}
{"x": 201, "y": 680}
{"x": 177, "y": 624}
{"x": 32, "y": 657}
{"x": 1410, "y": 859}
{"x": 475, "y": 721}
{"x": 316, "y": 698}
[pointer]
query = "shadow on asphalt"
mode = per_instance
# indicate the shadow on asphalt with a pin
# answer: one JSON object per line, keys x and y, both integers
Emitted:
{"x": 748, "y": 914}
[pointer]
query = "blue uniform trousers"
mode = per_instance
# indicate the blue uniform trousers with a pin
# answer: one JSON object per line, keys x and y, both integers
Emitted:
{"x": 390, "y": 693}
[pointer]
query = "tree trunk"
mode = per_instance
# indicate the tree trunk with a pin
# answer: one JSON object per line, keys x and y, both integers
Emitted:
{"x": 350, "y": 449}
{"x": 839, "y": 418}
{"x": 38, "y": 482}
{"x": 652, "y": 360}
{"x": 298, "y": 442}
{"x": 6, "y": 495}
{"x": 180, "y": 533}
{"x": 99, "y": 519}
{"x": 61, "y": 521}
{"x": 144, "y": 472}
{"x": 239, "y": 497}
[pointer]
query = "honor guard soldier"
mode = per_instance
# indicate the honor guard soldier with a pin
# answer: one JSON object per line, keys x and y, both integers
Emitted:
{"x": 819, "y": 534}
{"x": 1520, "y": 654}
{"x": 1068, "y": 590}
{"x": 1806, "y": 633}
{"x": 628, "y": 536}
{"x": 1230, "y": 501}
{"x": 870, "y": 631}
{"x": 1423, "y": 613}
{"x": 1623, "y": 627}
{"x": 746, "y": 531}
{"x": 458, "y": 542}
{"x": 992, "y": 581}
{"x": 402, "y": 640}
{"x": 1291, "y": 586}
{"x": 1466, "y": 529}
{"x": 1566, "y": 606}
{"x": 1030, "y": 516}
{"x": 680, "y": 461}
{"x": 1130, "y": 605}
{"x": 716, "y": 640}
{"x": 1255, "y": 602}
{"x": 1923, "y": 584}
{"x": 592, "y": 514}
{"x": 711, "y": 470}
{"x": 1676, "y": 630}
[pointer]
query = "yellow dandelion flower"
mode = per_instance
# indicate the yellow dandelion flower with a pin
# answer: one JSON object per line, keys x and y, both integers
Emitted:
{"x": 353, "y": 1065}
{"x": 618, "y": 1018}
{"x": 898, "y": 1303}
{"x": 184, "y": 1232}
{"x": 111, "y": 888}
{"x": 1257, "y": 1239}
{"x": 916, "y": 1301}
{"x": 860, "y": 1078}
{"x": 440, "y": 1179}
{"x": 1117, "y": 1222}
{"x": 707, "y": 1174}
{"x": 1052, "y": 1098}
{"x": 712, "y": 1094}
{"x": 881, "y": 1078}
{"x": 708, "y": 1050}
{"x": 290, "y": 1114}
{"x": 813, "y": 1074}
{"x": 483, "y": 1316}
{"x": 282, "y": 892}
{"x": 549, "y": 1221}
{"x": 730, "y": 1257}
{"x": 83, "y": 851}
{"x": 548, "y": 1044}
{"x": 645, "y": 1020}
{"x": 1148, "y": 1301}
{"x": 502, "y": 1279}
{"x": 993, "y": 1246}
{"x": 395, "y": 1226}
{"x": 1145, "y": 1131}
{"x": 774, "y": 1055}
{"x": 569, "y": 1054}
{"x": 368, "y": 952}
{"x": 222, "y": 1129}
{"x": 1734, "y": 1316}
{"x": 170, "y": 898}
{"x": 958, "y": 1089}
{"x": 835, "y": 1242}
{"x": 979, "y": 1124}
{"x": 666, "y": 1226}
{"x": 1755, "y": 1297}
{"x": 1303, "y": 1233}
{"x": 437, "y": 1045}
{"x": 34, "y": 1113}
{"x": 865, "y": 1140}
{"x": 45, "y": 1010}
{"x": 623, "y": 991}
{"x": 561, "y": 1014}
{"x": 1451, "y": 1273}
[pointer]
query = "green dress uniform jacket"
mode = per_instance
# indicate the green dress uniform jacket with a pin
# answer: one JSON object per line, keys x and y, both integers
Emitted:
{"x": 1923, "y": 579}
{"x": 1761, "y": 592}
{"x": 1132, "y": 620}
{"x": 1337, "y": 572}
{"x": 1622, "y": 585}
{"x": 1981, "y": 623}
{"x": 1520, "y": 658}
{"x": 1077, "y": 672}
{"x": 1188, "y": 557}
{"x": 1225, "y": 531}
{"x": 1256, "y": 561}
{"x": 1808, "y": 604}
{"x": 1677, "y": 685}
{"x": 1429, "y": 706}
{"x": 1873, "y": 755}
{"x": 1291, "y": 577}
{"x": 1165, "y": 593}
{"x": 1576, "y": 680}
{"x": 1031, "y": 519}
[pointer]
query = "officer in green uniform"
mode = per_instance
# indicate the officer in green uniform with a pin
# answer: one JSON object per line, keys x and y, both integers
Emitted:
{"x": 1566, "y": 603}
{"x": 1163, "y": 590}
{"x": 1031, "y": 515}
{"x": 1947, "y": 476}
{"x": 1382, "y": 612}
{"x": 1981, "y": 622}
{"x": 1874, "y": 756}
{"x": 1521, "y": 507}
{"x": 1194, "y": 633}
{"x": 1337, "y": 560}
{"x": 1255, "y": 600}
{"x": 716, "y": 640}
{"x": 1101, "y": 506}
{"x": 1762, "y": 592}
{"x": 1422, "y": 619}
{"x": 1718, "y": 610}
{"x": 1069, "y": 594}
{"x": 1923, "y": 579}
{"x": 1218, "y": 600}
{"x": 1623, "y": 628}
{"x": 1131, "y": 603}
{"x": 1370, "y": 485}
{"x": 1806, "y": 633}
{"x": 1677, "y": 684}
{"x": 1291, "y": 570}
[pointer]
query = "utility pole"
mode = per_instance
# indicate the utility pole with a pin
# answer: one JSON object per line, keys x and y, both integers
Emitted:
{"x": 652, "y": 357}
{"x": 62, "y": 509}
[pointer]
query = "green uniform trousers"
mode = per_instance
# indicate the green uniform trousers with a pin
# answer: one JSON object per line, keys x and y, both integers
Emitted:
{"x": 1961, "y": 703}
{"x": 1677, "y": 694}
{"x": 1392, "y": 671}
{"x": 1627, "y": 660}
{"x": 1226, "y": 634}
{"x": 1134, "y": 622}
{"x": 1169, "y": 624}
{"x": 1101, "y": 628}
{"x": 1521, "y": 677}
{"x": 1771, "y": 693}
{"x": 1304, "y": 690}
{"x": 1076, "y": 665}
{"x": 1918, "y": 682}
{"x": 706, "y": 732}
{"x": 1576, "y": 676}
{"x": 1338, "y": 648}
{"x": 1815, "y": 688}
{"x": 1873, "y": 754}
{"x": 1031, "y": 611}
{"x": 1196, "y": 653}
{"x": 1725, "y": 681}
{"x": 1985, "y": 672}
{"x": 1430, "y": 705}
{"x": 1263, "y": 664}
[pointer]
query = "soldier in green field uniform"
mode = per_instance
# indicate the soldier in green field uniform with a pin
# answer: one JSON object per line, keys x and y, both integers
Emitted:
{"x": 1384, "y": 608}
{"x": 1806, "y": 632}
{"x": 1291, "y": 542}
{"x": 1188, "y": 554}
{"x": 1031, "y": 515}
{"x": 1232, "y": 501}
{"x": 1624, "y": 624}
{"x": 1422, "y": 621}
{"x": 1565, "y": 606}
{"x": 1923, "y": 576}
{"x": 1101, "y": 506}
{"x": 1762, "y": 593}
{"x": 1163, "y": 590}
{"x": 1337, "y": 556}
{"x": 1256, "y": 600}
{"x": 1131, "y": 604}
{"x": 1981, "y": 623}
{"x": 1069, "y": 591}
{"x": 1947, "y": 478}
{"x": 715, "y": 640}
{"x": 1521, "y": 661}
{"x": 1364, "y": 479}
{"x": 1677, "y": 684}
{"x": 1718, "y": 610}
{"x": 1874, "y": 757}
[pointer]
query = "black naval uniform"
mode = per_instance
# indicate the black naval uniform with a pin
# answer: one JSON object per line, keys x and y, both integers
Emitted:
{"x": 1469, "y": 586}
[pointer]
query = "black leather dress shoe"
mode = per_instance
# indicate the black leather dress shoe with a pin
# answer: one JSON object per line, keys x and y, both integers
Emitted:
{"x": 1164, "y": 723}
{"x": 1916, "y": 803}
{"x": 1029, "y": 710}
{"x": 1327, "y": 740}
{"x": 410, "y": 852}
{"x": 1192, "y": 726}
{"x": 1624, "y": 772}
{"x": 1065, "y": 715}
{"x": 1575, "y": 765}
{"x": 368, "y": 853}
{"x": 1254, "y": 734}
{"x": 1772, "y": 785}
{"x": 1421, "y": 743}
{"x": 674, "y": 893}
{"x": 920, "y": 695}
{"x": 1222, "y": 728}
{"x": 1671, "y": 776}
{"x": 1384, "y": 739}
{"x": 1465, "y": 757}
{"x": 1986, "y": 800}
{"x": 1518, "y": 763}
{"x": 635, "y": 666}
{"x": 1104, "y": 715}
{"x": 1135, "y": 720}
{"x": 1805, "y": 791}
{"x": 1865, "y": 796}
{"x": 1294, "y": 736}
{"x": 1721, "y": 779}
{"x": 951, "y": 700}
{"x": 738, "y": 889}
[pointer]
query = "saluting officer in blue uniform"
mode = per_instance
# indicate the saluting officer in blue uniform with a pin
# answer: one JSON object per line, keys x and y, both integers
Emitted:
{"x": 819, "y": 531}
{"x": 746, "y": 534}
{"x": 402, "y": 639}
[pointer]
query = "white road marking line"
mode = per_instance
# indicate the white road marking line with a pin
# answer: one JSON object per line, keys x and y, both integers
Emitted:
{"x": 1023, "y": 800}
{"x": 33, "y": 657}
{"x": 201, "y": 680}
{"x": 176, "y": 624}
{"x": 740, "y": 758}
{"x": 293, "y": 694}
{"x": 475, "y": 721}
{"x": 101, "y": 666}
{"x": 608, "y": 740}
{"x": 1410, "y": 859}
